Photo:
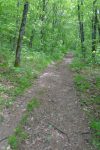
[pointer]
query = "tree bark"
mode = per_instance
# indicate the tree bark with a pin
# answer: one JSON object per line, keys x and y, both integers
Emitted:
{"x": 54, "y": 22}
{"x": 81, "y": 27}
{"x": 94, "y": 30}
{"x": 99, "y": 31}
{"x": 98, "y": 19}
{"x": 17, "y": 26}
{"x": 21, "y": 33}
{"x": 31, "y": 39}
{"x": 42, "y": 20}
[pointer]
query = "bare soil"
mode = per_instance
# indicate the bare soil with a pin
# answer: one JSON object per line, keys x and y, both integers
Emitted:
{"x": 59, "y": 123}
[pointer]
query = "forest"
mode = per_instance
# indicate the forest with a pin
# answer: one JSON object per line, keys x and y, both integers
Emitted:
{"x": 56, "y": 40}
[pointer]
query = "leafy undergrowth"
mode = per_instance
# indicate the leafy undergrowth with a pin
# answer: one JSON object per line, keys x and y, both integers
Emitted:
{"x": 14, "y": 81}
{"x": 87, "y": 83}
{"x": 20, "y": 135}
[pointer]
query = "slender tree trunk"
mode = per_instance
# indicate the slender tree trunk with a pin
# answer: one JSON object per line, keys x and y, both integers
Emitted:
{"x": 21, "y": 33}
{"x": 54, "y": 16}
{"x": 17, "y": 26}
{"x": 98, "y": 19}
{"x": 99, "y": 31}
{"x": 42, "y": 20}
{"x": 54, "y": 26}
{"x": 81, "y": 27}
{"x": 94, "y": 30}
{"x": 31, "y": 39}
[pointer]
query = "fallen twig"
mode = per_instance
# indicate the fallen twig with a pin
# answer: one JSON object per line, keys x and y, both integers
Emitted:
{"x": 5, "y": 138}
{"x": 85, "y": 132}
{"x": 62, "y": 132}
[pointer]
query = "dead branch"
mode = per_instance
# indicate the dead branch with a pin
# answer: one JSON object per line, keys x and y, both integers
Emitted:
{"x": 59, "y": 130}
{"x": 3, "y": 139}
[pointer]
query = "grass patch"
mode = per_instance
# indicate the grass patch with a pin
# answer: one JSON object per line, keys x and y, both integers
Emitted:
{"x": 77, "y": 65}
{"x": 14, "y": 81}
{"x": 81, "y": 83}
{"x": 16, "y": 139}
{"x": 20, "y": 135}
{"x": 34, "y": 103}
{"x": 13, "y": 141}
{"x": 95, "y": 126}
{"x": 91, "y": 101}
{"x": 87, "y": 83}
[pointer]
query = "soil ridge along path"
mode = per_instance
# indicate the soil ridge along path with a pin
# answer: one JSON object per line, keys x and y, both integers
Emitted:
{"x": 59, "y": 123}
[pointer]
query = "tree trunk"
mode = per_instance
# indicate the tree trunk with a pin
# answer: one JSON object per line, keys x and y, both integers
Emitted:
{"x": 54, "y": 22}
{"x": 81, "y": 27}
{"x": 42, "y": 20}
{"x": 99, "y": 31}
{"x": 98, "y": 19}
{"x": 31, "y": 39}
{"x": 17, "y": 26}
{"x": 94, "y": 30}
{"x": 21, "y": 33}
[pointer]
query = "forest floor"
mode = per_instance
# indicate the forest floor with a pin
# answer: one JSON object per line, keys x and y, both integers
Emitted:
{"x": 58, "y": 123}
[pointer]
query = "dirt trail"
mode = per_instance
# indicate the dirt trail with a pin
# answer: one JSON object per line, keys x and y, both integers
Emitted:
{"x": 59, "y": 123}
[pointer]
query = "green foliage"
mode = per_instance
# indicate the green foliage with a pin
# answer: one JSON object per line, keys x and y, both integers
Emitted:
{"x": 95, "y": 126}
{"x": 91, "y": 101}
{"x": 81, "y": 83}
{"x": 87, "y": 82}
{"x": 19, "y": 134}
{"x": 16, "y": 80}
{"x": 16, "y": 139}
{"x": 51, "y": 33}
{"x": 32, "y": 104}
{"x": 77, "y": 64}
{"x": 13, "y": 142}
{"x": 97, "y": 82}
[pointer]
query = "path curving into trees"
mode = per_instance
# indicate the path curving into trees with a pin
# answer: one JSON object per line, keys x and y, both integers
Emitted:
{"x": 59, "y": 122}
